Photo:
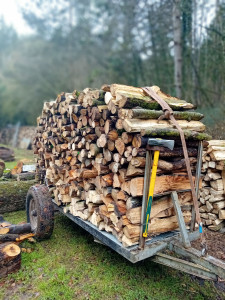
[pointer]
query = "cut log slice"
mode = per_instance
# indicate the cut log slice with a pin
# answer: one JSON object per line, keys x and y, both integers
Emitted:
{"x": 10, "y": 258}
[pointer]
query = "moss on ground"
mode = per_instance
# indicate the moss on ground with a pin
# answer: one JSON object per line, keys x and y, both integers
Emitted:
{"x": 13, "y": 194}
{"x": 71, "y": 266}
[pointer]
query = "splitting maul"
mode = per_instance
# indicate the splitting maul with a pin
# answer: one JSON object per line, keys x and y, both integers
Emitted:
{"x": 155, "y": 143}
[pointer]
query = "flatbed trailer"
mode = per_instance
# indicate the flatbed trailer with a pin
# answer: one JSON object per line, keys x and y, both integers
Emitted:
{"x": 172, "y": 248}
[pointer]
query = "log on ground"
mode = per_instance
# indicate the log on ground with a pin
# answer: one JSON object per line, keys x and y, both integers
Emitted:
{"x": 10, "y": 259}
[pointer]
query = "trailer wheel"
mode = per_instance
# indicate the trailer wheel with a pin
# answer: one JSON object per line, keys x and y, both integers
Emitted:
{"x": 40, "y": 211}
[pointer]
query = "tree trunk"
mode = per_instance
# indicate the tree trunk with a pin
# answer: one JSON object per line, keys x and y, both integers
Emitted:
{"x": 177, "y": 47}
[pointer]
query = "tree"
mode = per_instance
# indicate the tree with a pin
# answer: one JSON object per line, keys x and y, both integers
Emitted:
{"x": 177, "y": 47}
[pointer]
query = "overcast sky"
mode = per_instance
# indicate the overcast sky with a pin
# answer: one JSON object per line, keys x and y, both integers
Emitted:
{"x": 10, "y": 11}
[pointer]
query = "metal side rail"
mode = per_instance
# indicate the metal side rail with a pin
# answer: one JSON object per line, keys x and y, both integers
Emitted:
{"x": 209, "y": 262}
{"x": 206, "y": 267}
{"x": 133, "y": 253}
{"x": 184, "y": 266}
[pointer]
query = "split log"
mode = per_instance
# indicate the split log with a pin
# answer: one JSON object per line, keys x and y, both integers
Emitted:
{"x": 176, "y": 165}
{"x": 217, "y": 185}
{"x": 133, "y": 213}
{"x": 222, "y": 214}
{"x": 147, "y": 114}
{"x": 163, "y": 184}
{"x": 137, "y": 125}
{"x": 218, "y": 155}
{"x": 129, "y": 97}
{"x": 156, "y": 226}
{"x": 171, "y": 133}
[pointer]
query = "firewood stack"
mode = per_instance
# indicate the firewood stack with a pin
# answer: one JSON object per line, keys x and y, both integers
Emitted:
{"x": 6, "y": 154}
{"x": 10, "y": 238}
{"x": 212, "y": 197}
{"x": 92, "y": 148}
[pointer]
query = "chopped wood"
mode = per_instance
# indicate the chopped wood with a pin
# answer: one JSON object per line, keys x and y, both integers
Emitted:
{"x": 10, "y": 258}
{"x": 136, "y": 125}
{"x": 222, "y": 214}
{"x": 163, "y": 184}
{"x": 212, "y": 196}
{"x": 91, "y": 149}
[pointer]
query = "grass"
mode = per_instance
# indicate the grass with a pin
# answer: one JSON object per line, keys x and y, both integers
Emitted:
{"x": 71, "y": 266}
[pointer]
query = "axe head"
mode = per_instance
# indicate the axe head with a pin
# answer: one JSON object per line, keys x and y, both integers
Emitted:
{"x": 161, "y": 143}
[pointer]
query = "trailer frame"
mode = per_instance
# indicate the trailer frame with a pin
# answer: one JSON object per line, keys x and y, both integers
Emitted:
{"x": 163, "y": 248}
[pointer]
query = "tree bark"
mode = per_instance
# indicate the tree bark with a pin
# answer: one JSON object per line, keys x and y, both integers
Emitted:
{"x": 10, "y": 259}
{"x": 140, "y": 113}
{"x": 171, "y": 133}
{"x": 137, "y": 125}
{"x": 177, "y": 47}
{"x": 131, "y": 101}
{"x": 16, "y": 229}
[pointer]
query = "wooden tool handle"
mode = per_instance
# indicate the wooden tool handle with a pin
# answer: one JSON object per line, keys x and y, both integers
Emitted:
{"x": 151, "y": 192}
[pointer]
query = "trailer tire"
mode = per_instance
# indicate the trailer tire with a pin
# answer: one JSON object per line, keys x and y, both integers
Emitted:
{"x": 40, "y": 211}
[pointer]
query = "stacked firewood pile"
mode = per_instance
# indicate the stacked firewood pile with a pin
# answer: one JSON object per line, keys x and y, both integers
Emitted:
{"x": 212, "y": 197}
{"x": 92, "y": 148}
{"x": 10, "y": 238}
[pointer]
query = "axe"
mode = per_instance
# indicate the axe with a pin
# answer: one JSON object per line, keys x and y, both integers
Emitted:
{"x": 156, "y": 146}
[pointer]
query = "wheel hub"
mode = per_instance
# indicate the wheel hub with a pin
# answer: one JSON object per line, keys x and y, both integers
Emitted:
{"x": 33, "y": 214}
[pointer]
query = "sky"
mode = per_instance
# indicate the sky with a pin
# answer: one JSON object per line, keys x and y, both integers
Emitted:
{"x": 10, "y": 11}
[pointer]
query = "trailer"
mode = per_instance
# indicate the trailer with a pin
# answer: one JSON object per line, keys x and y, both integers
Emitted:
{"x": 172, "y": 249}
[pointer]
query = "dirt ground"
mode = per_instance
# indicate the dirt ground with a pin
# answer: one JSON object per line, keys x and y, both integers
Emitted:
{"x": 215, "y": 242}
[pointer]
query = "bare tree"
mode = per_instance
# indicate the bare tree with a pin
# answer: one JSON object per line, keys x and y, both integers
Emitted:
{"x": 177, "y": 47}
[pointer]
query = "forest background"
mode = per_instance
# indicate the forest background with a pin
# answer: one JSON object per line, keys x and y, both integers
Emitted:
{"x": 178, "y": 45}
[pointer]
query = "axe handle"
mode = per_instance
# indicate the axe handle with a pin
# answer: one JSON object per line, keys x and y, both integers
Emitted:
{"x": 151, "y": 192}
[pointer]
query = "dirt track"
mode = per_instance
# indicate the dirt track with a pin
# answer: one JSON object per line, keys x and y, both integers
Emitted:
{"x": 215, "y": 243}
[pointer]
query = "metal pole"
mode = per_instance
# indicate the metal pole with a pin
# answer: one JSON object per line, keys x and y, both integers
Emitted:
{"x": 180, "y": 219}
{"x": 197, "y": 179}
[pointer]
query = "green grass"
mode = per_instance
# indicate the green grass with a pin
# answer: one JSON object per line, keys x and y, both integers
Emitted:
{"x": 71, "y": 266}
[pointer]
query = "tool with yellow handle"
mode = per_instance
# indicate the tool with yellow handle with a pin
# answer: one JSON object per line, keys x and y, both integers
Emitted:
{"x": 156, "y": 143}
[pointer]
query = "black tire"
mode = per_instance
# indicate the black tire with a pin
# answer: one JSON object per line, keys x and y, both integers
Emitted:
{"x": 40, "y": 211}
